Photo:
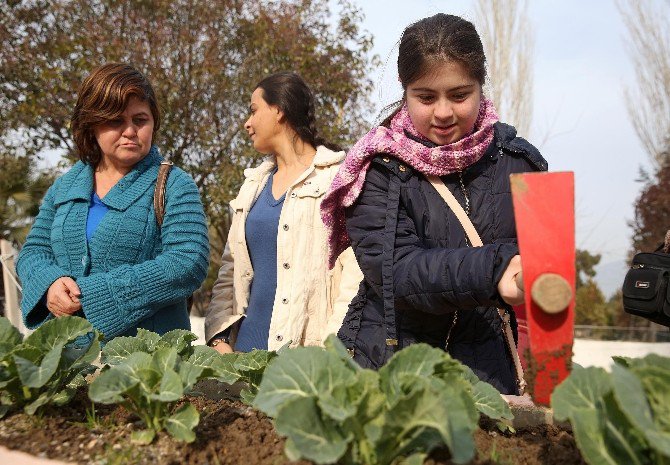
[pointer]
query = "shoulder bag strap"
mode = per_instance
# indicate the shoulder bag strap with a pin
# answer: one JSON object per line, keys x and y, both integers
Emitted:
{"x": 456, "y": 207}
{"x": 159, "y": 191}
{"x": 159, "y": 205}
{"x": 476, "y": 241}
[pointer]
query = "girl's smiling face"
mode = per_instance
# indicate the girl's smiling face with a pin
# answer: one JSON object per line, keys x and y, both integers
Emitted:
{"x": 443, "y": 104}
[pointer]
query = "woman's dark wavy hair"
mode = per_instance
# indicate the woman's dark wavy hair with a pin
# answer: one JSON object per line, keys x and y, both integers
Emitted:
{"x": 438, "y": 39}
{"x": 291, "y": 94}
{"x": 103, "y": 96}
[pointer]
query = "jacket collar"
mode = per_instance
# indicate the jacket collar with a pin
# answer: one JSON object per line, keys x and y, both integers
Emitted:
{"x": 77, "y": 184}
{"x": 506, "y": 138}
{"x": 504, "y": 133}
{"x": 324, "y": 157}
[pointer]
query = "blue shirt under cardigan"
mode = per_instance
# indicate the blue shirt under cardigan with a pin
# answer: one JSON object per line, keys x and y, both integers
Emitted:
{"x": 96, "y": 212}
{"x": 132, "y": 274}
{"x": 261, "y": 233}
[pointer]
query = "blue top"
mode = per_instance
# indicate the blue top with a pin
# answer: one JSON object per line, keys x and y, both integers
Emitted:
{"x": 96, "y": 211}
{"x": 261, "y": 234}
{"x": 131, "y": 273}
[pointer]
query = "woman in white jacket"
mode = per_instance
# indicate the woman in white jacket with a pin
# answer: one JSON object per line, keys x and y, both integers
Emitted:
{"x": 274, "y": 285}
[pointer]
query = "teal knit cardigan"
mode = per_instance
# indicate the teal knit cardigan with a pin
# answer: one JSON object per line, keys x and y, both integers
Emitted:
{"x": 132, "y": 274}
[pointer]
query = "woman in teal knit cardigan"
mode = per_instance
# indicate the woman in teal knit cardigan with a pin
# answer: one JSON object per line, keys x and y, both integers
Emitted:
{"x": 95, "y": 249}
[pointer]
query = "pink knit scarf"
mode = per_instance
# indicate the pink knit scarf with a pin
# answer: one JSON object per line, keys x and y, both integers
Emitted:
{"x": 439, "y": 161}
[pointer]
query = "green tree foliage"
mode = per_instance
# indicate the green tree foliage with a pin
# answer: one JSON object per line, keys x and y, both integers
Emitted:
{"x": 621, "y": 318}
{"x": 203, "y": 57}
{"x": 585, "y": 265}
{"x": 588, "y": 296}
{"x": 22, "y": 187}
{"x": 591, "y": 307}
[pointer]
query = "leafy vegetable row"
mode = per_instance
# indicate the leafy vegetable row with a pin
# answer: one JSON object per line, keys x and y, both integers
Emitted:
{"x": 329, "y": 408}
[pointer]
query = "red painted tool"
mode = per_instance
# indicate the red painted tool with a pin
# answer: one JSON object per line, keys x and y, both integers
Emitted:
{"x": 545, "y": 221}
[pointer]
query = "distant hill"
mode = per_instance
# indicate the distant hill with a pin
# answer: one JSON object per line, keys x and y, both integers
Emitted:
{"x": 610, "y": 276}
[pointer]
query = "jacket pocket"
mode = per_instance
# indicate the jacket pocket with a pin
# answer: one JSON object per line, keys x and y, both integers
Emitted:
{"x": 306, "y": 200}
{"x": 236, "y": 232}
{"x": 312, "y": 189}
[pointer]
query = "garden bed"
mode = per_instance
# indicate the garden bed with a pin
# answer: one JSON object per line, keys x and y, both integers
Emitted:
{"x": 161, "y": 400}
{"x": 230, "y": 432}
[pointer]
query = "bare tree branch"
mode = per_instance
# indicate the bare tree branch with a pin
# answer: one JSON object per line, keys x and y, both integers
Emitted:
{"x": 509, "y": 44}
{"x": 648, "y": 43}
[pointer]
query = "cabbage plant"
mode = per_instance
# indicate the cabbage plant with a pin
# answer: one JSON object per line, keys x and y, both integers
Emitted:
{"x": 622, "y": 416}
{"x": 120, "y": 348}
{"x": 46, "y": 367}
{"x": 149, "y": 375}
{"x": 331, "y": 410}
{"x": 247, "y": 368}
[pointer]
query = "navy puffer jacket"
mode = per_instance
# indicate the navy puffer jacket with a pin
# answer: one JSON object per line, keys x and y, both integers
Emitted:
{"x": 421, "y": 276}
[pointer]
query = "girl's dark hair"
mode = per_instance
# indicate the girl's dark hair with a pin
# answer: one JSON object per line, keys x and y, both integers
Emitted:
{"x": 438, "y": 39}
{"x": 103, "y": 96}
{"x": 291, "y": 94}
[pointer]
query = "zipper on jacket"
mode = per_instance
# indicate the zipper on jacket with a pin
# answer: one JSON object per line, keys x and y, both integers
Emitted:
{"x": 651, "y": 267}
{"x": 467, "y": 201}
{"x": 467, "y": 243}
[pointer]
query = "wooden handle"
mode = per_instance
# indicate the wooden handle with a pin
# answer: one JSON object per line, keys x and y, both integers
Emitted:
{"x": 550, "y": 291}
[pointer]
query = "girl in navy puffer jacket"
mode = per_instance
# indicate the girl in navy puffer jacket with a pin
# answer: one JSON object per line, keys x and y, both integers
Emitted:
{"x": 423, "y": 280}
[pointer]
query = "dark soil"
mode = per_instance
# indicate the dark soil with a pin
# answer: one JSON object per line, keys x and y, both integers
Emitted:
{"x": 230, "y": 433}
{"x": 543, "y": 445}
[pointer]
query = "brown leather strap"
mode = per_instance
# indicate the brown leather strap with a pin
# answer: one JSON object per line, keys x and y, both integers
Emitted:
{"x": 159, "y": 205}
{"x": 511, "y": 346}
{"x": 159, "y": 191}
{"x": 476, "y": 241}
{"x": 456, "y": 207}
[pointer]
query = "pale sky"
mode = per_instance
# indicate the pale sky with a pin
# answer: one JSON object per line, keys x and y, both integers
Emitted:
{"x": 581, "y": 70}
